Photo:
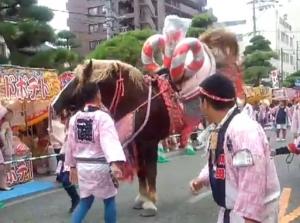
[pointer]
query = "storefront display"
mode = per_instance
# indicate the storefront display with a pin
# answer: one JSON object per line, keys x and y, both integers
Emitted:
{"x": 28, "y": 93}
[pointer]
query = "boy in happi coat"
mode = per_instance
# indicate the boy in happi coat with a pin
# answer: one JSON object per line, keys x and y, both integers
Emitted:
{"x": 94, "y": 154}
{"x": 281, "y": 120}
{"x": 240, "y": 171}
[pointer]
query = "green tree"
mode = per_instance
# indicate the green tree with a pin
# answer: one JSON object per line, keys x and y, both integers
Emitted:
{"x": 291, "y": 79}
{"x": 257, "y": 60}
{"x": 200, "y": 23}
{"x": 23, "y": 24}
{"x": 66, "y": 39}
{"x": 60, "y": 59}
{"x": 126, "y": 47}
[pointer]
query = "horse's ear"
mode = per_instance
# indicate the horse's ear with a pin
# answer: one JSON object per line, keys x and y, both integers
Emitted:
{"x": 87, "y": 71}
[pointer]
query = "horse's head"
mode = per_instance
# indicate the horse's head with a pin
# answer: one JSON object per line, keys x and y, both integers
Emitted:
{"x": 116, "y": 80}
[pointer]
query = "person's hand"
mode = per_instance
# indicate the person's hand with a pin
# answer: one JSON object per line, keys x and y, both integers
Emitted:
{"x": 116, "y": 171}
{"x": 73, "y": 175}
{"x": 196, "y": 185}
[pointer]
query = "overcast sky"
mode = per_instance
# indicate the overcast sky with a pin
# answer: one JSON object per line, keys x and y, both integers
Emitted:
{"x": 59, "y": 21}
{"x": 224, "y": 9}
{"x": 238, "y": 9}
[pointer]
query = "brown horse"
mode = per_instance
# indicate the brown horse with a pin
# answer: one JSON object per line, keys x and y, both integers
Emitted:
{"x": 107, "y": 73}
{"x": 132, "y": 93}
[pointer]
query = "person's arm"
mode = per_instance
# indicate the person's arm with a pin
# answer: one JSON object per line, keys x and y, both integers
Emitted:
{"x": 251, "y": 176}
{"x": 70, "y": 146}
{"x": 2, "y": 135}
{"x": 201, "y": 181}
{"x": 204, "y": 176}
{"x": 290, "y": 148}
{"x": 109, "y": 140}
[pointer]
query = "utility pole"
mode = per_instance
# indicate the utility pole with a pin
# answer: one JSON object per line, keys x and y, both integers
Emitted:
{"x": 281, "y": 68}
{"x": 254, "y": 17}
{"x": 297, "y": 55}
{"x": 109, "y": 19}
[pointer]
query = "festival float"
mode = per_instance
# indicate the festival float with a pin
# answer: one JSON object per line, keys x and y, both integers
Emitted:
{"x": 28, "y": 93}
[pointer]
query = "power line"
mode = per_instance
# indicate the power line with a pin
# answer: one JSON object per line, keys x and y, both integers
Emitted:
{"x": 78, "y": 13}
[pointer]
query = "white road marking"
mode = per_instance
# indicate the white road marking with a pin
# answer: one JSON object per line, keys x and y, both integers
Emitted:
{"x": 199, "y": 197}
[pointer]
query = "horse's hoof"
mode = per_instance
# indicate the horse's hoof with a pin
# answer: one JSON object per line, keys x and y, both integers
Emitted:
{"x": 138, "y": 205}
{"x": 149, "y": 213}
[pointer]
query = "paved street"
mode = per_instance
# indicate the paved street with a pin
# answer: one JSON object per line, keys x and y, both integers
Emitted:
{"x": 175, "y": 204}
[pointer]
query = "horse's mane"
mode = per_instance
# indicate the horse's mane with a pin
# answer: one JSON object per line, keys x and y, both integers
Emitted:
{"x": 223, "y": 44}
{"x": 101, "y": 70}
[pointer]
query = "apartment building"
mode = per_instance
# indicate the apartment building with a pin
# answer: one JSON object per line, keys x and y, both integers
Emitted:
{"x": 88, "y": 18}
{"x": 275, "y": 27}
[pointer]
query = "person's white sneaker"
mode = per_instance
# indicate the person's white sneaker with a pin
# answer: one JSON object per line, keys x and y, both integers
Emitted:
{"x": 278, "y": 139}
{"x": 283, "y": 139}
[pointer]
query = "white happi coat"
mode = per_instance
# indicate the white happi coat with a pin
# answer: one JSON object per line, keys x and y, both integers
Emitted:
{"x": 250, "y": 191}
{"x": 93, "y": 135}
{"x": 295, "y": 122}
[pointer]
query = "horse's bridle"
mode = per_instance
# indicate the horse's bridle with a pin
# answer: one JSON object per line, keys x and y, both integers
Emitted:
{"x": 119, "y": 93}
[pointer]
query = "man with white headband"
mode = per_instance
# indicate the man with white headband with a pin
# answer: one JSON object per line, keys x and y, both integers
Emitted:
{"x": 240, "y": 172}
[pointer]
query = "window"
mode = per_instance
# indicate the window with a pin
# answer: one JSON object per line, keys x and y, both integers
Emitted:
{"x": 94, "y": 43}
{"x": 94, "y": 28}
{"x": 291, "y": 42}
{"x": 95, "y": 10}
{"x": 282, "y": 37}
{"x": 292, "y": 60}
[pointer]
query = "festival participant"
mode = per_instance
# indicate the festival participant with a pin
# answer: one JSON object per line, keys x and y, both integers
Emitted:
{"x": 281, "y": 120}
{"x": 240, "y": 171}
{"x": 63, "y": 171}
{"x": 295, "y": 120}
{"x": 6, "y": 150}
{"x": 94, "y": 152}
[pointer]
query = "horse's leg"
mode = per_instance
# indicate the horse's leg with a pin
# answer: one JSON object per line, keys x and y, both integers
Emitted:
{"x": 141, "y": 173}
{"x": 149, "y": 206}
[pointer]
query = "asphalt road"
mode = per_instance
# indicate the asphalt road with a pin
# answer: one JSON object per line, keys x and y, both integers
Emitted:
{"x": 176, "y": 204}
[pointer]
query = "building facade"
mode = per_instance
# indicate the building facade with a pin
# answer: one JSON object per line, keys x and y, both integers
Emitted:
{"x": 88, "y": 19}
{"x": 276, "y": 28}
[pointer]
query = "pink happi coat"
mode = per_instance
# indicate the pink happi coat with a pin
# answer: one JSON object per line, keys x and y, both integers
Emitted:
{"x": 97, "y": 139}
{"x": 295, "y": 123}
{"x": 251, "y": 191}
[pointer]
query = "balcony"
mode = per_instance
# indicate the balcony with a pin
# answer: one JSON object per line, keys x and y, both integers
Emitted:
{"x": 125, "y": 7}
{"x": 149, "y": 4}
{"x": 146, "y": 19}
{"x": 188, "y": 10}
{"x": 195, "y": 4}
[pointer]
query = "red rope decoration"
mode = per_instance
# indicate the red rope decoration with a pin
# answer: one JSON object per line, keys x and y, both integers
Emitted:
{"x": 119, "y": 92}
